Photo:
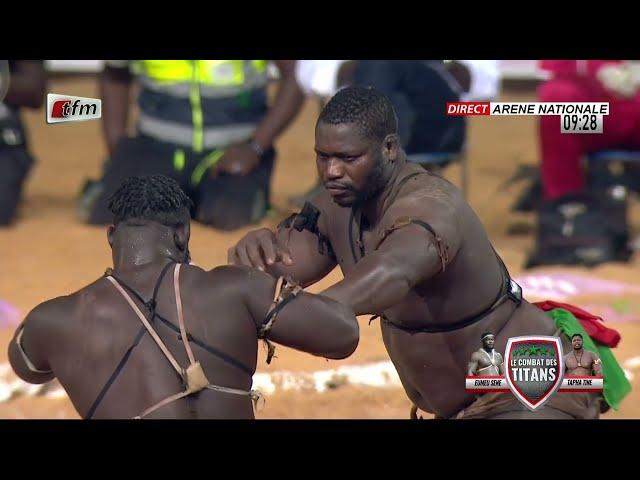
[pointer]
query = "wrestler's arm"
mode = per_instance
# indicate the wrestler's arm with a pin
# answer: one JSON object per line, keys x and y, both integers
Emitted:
{"x": 308, "y": 264}
{"x": 472, "y": 367}
{"x": 501, "y": 367}
{"x": 29, "y": 359}
{"x": 407, "y": 257}
{"x": 286, "y": 251}
{"x": 310, "y": 323}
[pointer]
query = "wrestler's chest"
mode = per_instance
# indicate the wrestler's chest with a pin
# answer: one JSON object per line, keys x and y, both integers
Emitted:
{"x": 578, "y": 361}
{"x": 487, "y": 360}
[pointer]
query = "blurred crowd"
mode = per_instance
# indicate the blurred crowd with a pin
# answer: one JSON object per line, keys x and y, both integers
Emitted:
{"x": 210, "y": 125}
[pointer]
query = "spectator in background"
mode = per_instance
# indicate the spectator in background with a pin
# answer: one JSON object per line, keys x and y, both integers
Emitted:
{"x": 205, "y": 123}
{"x": 22, "y": 85}
{"x": 578, "y": 224}
{"x": 418, "y": 90}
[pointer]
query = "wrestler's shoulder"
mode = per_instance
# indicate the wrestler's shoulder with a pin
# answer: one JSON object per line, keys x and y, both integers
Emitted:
{"x": 50, "y": 315}
{"x": 429, "y": 188}
{"x": 223, "y": 275}
{"x": 53, "y": 305}
{"x": 93, "y": 300}
{"x": 88, "y": 295}
{"x": 84, "y": 296}
{"x": 431, "y": 203}
{"x": 231, "y": 279}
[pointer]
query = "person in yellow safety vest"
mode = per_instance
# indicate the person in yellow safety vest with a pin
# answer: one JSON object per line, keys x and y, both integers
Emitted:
{"x": 205, "y": 123}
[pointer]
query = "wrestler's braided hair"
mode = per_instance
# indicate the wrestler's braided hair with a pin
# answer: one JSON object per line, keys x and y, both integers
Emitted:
{"x": 154, "y": 198}
{"x": 367, "y": 107}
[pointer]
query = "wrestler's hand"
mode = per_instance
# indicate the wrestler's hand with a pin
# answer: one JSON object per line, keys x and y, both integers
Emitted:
{"x": 259, "y": 249}
{"x": 237, "y": 160}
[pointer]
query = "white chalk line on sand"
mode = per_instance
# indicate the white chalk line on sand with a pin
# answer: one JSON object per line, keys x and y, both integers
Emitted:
{"x": 377, "y": 374}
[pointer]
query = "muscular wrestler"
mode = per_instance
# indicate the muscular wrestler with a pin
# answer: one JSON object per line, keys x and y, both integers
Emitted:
{"x": 412, "y": 251}
{"x": 156, "y": 337}
{"x": 486, "y": 361}
{"x": 581, "y": 362}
